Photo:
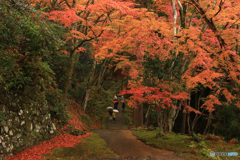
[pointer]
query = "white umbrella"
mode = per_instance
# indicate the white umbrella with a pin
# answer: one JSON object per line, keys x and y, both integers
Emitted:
{"x": 109, "y": 107}
{"x": 115, "y": 110}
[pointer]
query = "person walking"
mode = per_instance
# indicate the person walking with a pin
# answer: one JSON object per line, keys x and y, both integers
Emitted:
{"x": 123, "y": 103}
{"x": 114, "y": 116}
{"x": 115, "y": 101}
{"x": 110, "y": 111}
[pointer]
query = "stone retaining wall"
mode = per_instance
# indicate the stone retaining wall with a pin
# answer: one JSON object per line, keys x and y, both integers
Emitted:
{"x": 27, "y": 123}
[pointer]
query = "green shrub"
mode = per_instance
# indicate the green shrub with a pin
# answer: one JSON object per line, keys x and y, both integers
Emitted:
{"x": 2, "y": 115}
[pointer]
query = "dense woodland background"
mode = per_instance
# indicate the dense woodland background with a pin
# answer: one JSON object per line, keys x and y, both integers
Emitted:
{"x": 176, "y": 62}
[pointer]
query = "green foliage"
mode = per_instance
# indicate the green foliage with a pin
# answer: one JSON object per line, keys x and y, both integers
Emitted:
{"x": 159, "y": 133}
{"x": 25, "y": 39}
{"x": 57, "y": 106}
{"x": 155, "y": 69}
{"x": 196, "y": 137}
{"x": 10, "y": 72}
{"x": 98, "y": 103}
{"x": 108, "y": 84}
{"x": 228, "y": 121}
{"x": 128, "y": 115}
{"x": 2, "y": 115}
{"x": 82, "y": 69}
{"x": 59, "y": 64}
{"x": 86, "y": 119}
{"x": 28, "y": 44}
{"x": 202, "y": 147}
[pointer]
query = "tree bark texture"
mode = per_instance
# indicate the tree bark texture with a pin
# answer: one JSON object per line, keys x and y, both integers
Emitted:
{"x": 101, "y": 73}
{"x": 70, "y": 73}
{"x": 147, "y": 116}
{"x": 88, "y": 91}
{"x": 209, "y": 121}
{"x": 184, "y": 123}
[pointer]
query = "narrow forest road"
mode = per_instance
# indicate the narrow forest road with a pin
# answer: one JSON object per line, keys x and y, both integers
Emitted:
{"x": 121, "y": 141}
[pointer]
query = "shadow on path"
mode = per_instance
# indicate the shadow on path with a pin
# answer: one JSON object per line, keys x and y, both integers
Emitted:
{"x": 121, "y": 140}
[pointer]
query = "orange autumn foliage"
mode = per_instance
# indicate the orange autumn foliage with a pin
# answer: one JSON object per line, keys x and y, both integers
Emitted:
{"x": 207, "y": 42}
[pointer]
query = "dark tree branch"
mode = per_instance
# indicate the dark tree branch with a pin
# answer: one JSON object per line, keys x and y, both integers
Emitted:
{"x": 89, "y": 2}
{"x": 86, "y": 40}
{"x": 235, "y": 22}
{"x": 98, "y": 19}
{"x": 74, "y": 3}
{"x": 211, "y": 25}
{"x": 92, "y": 31}
{"x": 220, "y": 7}
{"x": 80, "y": 44}
{"x": 108, "y": 15}
{"x": 66, "y": 1}
{"x": 226, "y": 25}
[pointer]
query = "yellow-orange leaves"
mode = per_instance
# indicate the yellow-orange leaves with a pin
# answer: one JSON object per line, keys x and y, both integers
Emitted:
{"x": 206, "y": 78}
{"x": 212, "y": 100}
{"x": 228, "y": 95}
{"x": 188, "y": 109}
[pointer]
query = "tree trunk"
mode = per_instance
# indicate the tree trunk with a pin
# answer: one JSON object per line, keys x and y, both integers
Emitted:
{"x": 101, "y": 73}
{"x": 188, "y": 123}
{"x": 176, "y": 115}
{"x": 208, "y": 123}
{"x": 71, "y": 58}
{"x": 166, "y": 118}
{"x": 183, "y": 123}
{"x": 141, "y": 115}
{"x": 174, "y": 18}
{"x": 88, "y": 91}
{"x": 135, "y": 117}
{"x": 183, "y": 12}
{"x": 147, "y": 116}
{"x": 171, "y": 116}
{"x": 138, "y": 115}
{"x": 159, "y": 120}
{"x": 70, "y": 73}
{"x": 197, "y": 116}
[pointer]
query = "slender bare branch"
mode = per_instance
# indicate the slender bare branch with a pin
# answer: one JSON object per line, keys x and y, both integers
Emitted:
{"x": 220, "y": 7}
{"x": 86, "y": 40}
{"x": 66, "y": 1}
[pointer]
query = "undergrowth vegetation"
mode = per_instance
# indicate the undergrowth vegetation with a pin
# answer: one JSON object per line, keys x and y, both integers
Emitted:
{"x": 190, "y": 147}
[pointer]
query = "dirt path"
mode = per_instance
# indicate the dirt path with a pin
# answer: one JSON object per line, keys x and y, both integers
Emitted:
{"x": 121, "y": 140}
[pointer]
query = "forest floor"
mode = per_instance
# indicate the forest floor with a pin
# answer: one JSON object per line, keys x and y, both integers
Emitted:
{"x": 115, "y": 141}
{"x": 121, "y": 140}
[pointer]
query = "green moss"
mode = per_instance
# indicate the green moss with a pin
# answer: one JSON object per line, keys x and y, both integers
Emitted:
{"x": 32, "y": 137}
{"x": 86, "y": 120}
{"x": 185, "y": 146}
{"x": 92, "y": 147}
{"x": 2, "y": 115}
{"x": 104, "y": 121}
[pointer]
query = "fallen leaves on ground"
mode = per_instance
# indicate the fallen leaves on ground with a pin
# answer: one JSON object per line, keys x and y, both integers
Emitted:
{"x": 37, "y": 152}
{"x": 63, "y": 140}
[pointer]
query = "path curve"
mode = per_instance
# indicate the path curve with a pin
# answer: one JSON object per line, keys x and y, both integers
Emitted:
{"x": 124, "y": 143}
